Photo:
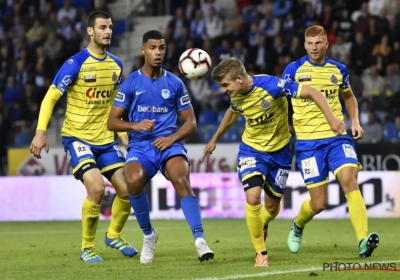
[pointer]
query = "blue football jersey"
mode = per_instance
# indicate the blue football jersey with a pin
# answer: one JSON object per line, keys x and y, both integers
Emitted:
{"x": 158, "y": 99}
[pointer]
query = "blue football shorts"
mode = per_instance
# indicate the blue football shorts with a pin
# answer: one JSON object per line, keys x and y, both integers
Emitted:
{"x": 315, "y": 158}
{"x": 274, "y": 167}
{"x": 153, "y": 159}
{"x": 106, "y": 157}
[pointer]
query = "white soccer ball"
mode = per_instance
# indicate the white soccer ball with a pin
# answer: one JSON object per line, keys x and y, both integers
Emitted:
{"x": 194, "y": 64}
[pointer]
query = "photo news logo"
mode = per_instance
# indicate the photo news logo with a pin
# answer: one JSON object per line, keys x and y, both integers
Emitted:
{"x": 349, "y": 266}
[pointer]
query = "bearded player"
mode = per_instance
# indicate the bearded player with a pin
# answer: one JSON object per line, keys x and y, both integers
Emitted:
{"x": 90, "y": 80}
{"x": 318, "y": 149}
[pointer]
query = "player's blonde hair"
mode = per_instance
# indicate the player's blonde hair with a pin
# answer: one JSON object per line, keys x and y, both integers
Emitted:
{"x": 228, "y": 66}
{"x": 314, "y": 31}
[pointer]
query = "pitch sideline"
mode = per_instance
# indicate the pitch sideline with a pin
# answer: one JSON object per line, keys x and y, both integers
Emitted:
{"x": 275, "y": 272}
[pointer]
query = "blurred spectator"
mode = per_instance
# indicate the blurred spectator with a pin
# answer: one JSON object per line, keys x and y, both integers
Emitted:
{"x": 371, "y": 81}
{"x": 373, "y": 131}
{"x": 66, "y": 12}
{"x": 214, "y": 23}
{"x": 53, "y": 46}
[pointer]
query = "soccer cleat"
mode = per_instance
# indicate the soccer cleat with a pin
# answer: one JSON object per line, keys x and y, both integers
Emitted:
{"x": 294, "y": 238}
{"x": 149, "y": 244}
{"x": 265, "y": 232}
{"x": 203, "y": 251}
{"x": 119, "y": 243}
{"x": 89, "y": 255}
{"x": 367, "y": 245}
{"x": 261, "y": 260}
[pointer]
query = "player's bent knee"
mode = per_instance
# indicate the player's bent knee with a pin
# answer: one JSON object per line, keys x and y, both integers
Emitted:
{"x": 318, "y": 205}
{"x": 252, "y": 188}
{"x": 182, "y": 186}
{"x": 272, "y": 205}
{"x": 349, "y": 184}
{"x": 135, "y": 183}
{"x": 94, "y": 183}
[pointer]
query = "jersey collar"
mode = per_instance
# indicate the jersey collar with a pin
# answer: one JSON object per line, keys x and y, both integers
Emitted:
{"x": 97, "y": 56}
{"x": 316, "y": 64}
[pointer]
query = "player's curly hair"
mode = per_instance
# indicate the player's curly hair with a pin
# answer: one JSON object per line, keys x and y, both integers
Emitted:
{"x": 228, "y": 66}
{"x": 314, "y": 31}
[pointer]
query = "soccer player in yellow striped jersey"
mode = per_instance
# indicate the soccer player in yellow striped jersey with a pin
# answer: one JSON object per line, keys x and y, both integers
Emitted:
{"x": 264, "y": 158}
{"x": 318, "y": 150}
{"x": 90, "y": 80}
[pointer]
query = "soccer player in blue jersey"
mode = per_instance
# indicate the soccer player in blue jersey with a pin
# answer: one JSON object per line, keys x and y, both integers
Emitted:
{"x": 154, "y": 98}
{"x": 91, "y": 79}
{"x": 318, "y": 149}
{"x": 264, "y": 158}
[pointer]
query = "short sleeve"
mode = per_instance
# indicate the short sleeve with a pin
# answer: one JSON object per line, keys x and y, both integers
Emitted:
{"x": 182, "y": 95}
{"x": 277, "y": 87}
{"x": 345, "y": 86}
{"x": 290, "y": 72}
{"x": 125, "y": 95}
{"x": 68, "y": 74}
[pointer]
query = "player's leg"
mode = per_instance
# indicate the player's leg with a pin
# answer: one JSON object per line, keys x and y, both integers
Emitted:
{"x": 175, "y": 167}
{"x": 278, "y": 167}
{"x": 252, "y": 170}
{"x": 138, "y": 171}
{"x": 315, "y": 172}
{"x": 345, "y": 166}
{"x": 111, "y": 162}
{"x": 85, "y": 169}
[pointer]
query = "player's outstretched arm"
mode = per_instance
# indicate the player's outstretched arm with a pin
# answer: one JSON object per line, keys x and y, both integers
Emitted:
{"x": 227, "y": 122}
{"x": 337, "y": 126}
{"x": 351, "y": 104}
{"x": 46, "y": 110}
{"x": 115, "y": 122}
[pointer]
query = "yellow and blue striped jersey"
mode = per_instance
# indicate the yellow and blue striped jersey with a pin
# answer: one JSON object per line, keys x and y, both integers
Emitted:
{"x": 330, "y": 78}
{"x": 265, "y": 109}
{"x": 90, "y": 82}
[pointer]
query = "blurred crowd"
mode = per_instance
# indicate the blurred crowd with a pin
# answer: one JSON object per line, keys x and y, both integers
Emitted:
{"x": 268, "y": 34}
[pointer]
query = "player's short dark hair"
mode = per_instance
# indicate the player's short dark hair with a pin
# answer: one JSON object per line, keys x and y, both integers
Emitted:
{"x": 153, "y": 34}
{"x": 94, "y": 15}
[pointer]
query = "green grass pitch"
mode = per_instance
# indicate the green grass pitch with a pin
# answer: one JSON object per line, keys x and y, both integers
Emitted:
{"x": 50, "y": 250}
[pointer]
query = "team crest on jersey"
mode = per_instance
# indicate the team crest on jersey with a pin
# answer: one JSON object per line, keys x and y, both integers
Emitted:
{"x": 305, "y": 78}
{"x": 114, "y": 77}
{"x": 265, "y": 104}
{"x": 165, "y": 93}
{"x": 334, "y": 80}
{"x": 89, "y": 79}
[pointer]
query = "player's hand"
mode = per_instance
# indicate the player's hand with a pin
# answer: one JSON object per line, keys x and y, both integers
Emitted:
{"x": 163, "y": 143}
{"x": 357, "y": 131}
{"x": 38, "y": 142}
{"x": 338, "y": 127}
{"x": 145, "y": 124}
{"x": 208, "y": 149}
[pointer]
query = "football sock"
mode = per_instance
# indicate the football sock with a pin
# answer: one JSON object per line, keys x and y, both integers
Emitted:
{"x": 120, "y": 211}
{"x": 267, "y": 216}
{"x": 90, "y": 219}
{"x": 191, "y": 209}
{"x": 305, "y": 214}
{"x": 141, "y": 207}
{"x": 255, "y": 225}
{"x": 358, "y": 214}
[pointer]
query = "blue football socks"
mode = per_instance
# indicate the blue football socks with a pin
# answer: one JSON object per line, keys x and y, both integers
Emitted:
{"x": 141, "y": 206}
{"x": 191, "y": 209}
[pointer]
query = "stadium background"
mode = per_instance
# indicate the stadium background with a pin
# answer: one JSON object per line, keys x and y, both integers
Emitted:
{"x": 36, "y": 36}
